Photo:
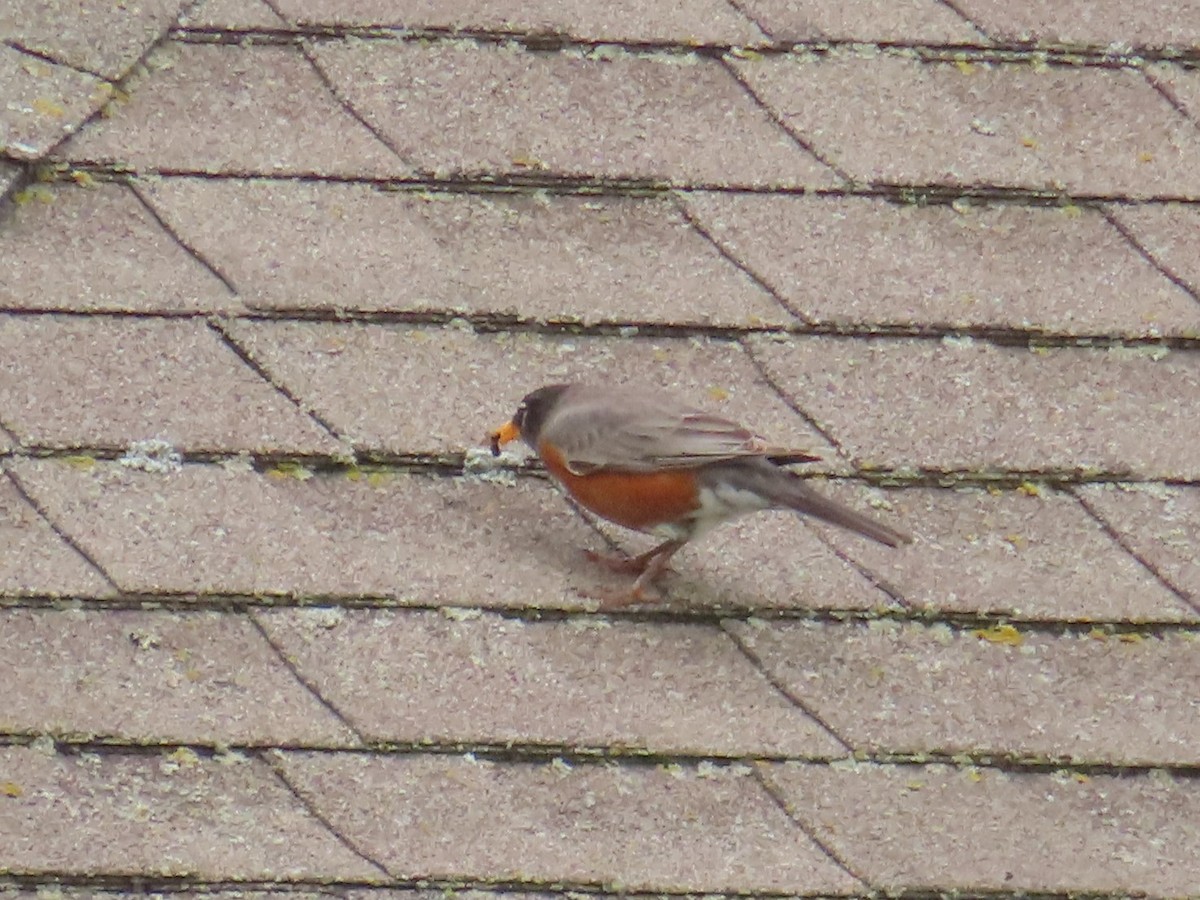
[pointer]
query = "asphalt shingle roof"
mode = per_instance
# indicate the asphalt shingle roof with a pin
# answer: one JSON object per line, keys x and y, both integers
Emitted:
{"x": 272, "y": 623}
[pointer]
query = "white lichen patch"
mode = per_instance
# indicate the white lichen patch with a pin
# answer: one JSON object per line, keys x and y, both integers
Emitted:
{"x": 323, "y": 617}
{"x": 153, "y": 455}
{"x": 1152, "y": 352}
{"x": 241, "y": 464}
{"x": 480, "y": 464}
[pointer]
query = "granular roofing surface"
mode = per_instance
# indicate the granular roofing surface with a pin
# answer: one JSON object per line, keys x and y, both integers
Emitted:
{"x": 272, "y": 622}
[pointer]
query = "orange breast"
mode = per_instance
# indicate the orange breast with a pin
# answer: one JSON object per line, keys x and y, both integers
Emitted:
{"x": 638, "y": 500}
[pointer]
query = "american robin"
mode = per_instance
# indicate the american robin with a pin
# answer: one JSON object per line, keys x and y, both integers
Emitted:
{"x": 649, "y": 463}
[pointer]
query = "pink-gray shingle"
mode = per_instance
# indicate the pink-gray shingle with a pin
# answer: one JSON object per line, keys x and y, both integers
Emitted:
{"x": 917, "y": 689}
{"x": 962, "y": 404}
{"x": 907, "y": 21}
{"x": 46, "y": 102}
{"x": 86, "y": 249}
{"x": 1033, "y": 553}
{"x": 891, "y": 119}
{"x": 633, "y": 828}
{"x": 1160, "y": 523}
{"x": 580, "y": 682}
{"x": 467, "y": 110}
{"x": 77, "y": 381}
{"x": 34, "y": 559}
{"x": 228, "y": 529}
{"x": 225, "y": 108}
{"x": 390, "y": 387}
{"x": 855, "y": 262}
{"x": 228, "y": 818}
{"x": 904, "y": 827}
{"x": 105, "y": 38}
{"x": 331, "y": 246}
{"x": 1099, "y": 23}
{"x": 198, "y": 678}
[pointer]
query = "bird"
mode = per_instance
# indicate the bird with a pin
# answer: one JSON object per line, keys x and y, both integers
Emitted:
{"x": 646, "y": 461}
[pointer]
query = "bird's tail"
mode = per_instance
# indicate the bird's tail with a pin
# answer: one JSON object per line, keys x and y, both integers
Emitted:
{"x": 805, "y": 500}
{"x": 788, "y": 490}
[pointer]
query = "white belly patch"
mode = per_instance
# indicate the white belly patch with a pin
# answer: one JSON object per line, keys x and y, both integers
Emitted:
{"x": 716, "y": 505}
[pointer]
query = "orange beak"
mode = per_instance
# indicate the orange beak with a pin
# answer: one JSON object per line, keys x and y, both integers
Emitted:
{"x": 505, "y": 434}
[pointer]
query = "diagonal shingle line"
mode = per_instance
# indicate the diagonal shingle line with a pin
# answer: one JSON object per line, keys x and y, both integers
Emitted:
{"x": 739, "y": 7}
{"x": 344, "y": 102}
{"x": 1142, "y": 250}
{"x": 783, "y": 690}
{"x": 879, "y": 583}
{"x": 955, "y": 7}
{"x": 62, "y": 534}
{"x": 252, "y": 615}
{"x": 791, "y": 403}
{"x": 741, "y": 265}
{"x": 1184, "y": 597}
{"x": 271, "y": 760}
{"x": 47, "y": 57}
{"x": 788, "y": 810}
{"x": 211, "y": 267}
{"x": 121, "y": 82}
{"x": 798, "y": 139}
{"x": 217, "y": 324}
{"x": 1169, "y": 95}
{"x": 187, "y": 9}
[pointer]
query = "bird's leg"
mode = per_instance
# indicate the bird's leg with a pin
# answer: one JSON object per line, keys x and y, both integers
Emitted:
{"x": 628, "y": 565}
{"x": 650, "y": 566}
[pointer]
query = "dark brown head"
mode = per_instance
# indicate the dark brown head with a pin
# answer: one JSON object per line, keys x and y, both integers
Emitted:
{"x": 529, "y": 418}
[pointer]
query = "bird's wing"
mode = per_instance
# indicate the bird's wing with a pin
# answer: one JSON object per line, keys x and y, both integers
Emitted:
{"x": 605, "y": 428}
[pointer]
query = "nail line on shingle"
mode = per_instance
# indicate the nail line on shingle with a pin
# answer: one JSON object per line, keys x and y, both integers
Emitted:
{"x": 501, "y": 323}
{"x": 533, "y": 755}
{"x": 915, "y": 194}
{"x": 547, "y": 42}
{"x": 962, "y": 623}
{"x": 453, "y": 465}
{"x": 71, "y": 884}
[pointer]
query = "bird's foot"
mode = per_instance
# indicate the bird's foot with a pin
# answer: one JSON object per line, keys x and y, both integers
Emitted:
{"x": 613, "y": 600}
{"x": 649, "y": 567}
{"x": 618, "y": 562}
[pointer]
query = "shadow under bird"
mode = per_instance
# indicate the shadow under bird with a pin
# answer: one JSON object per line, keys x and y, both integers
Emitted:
{"x": 643, "y": 460}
